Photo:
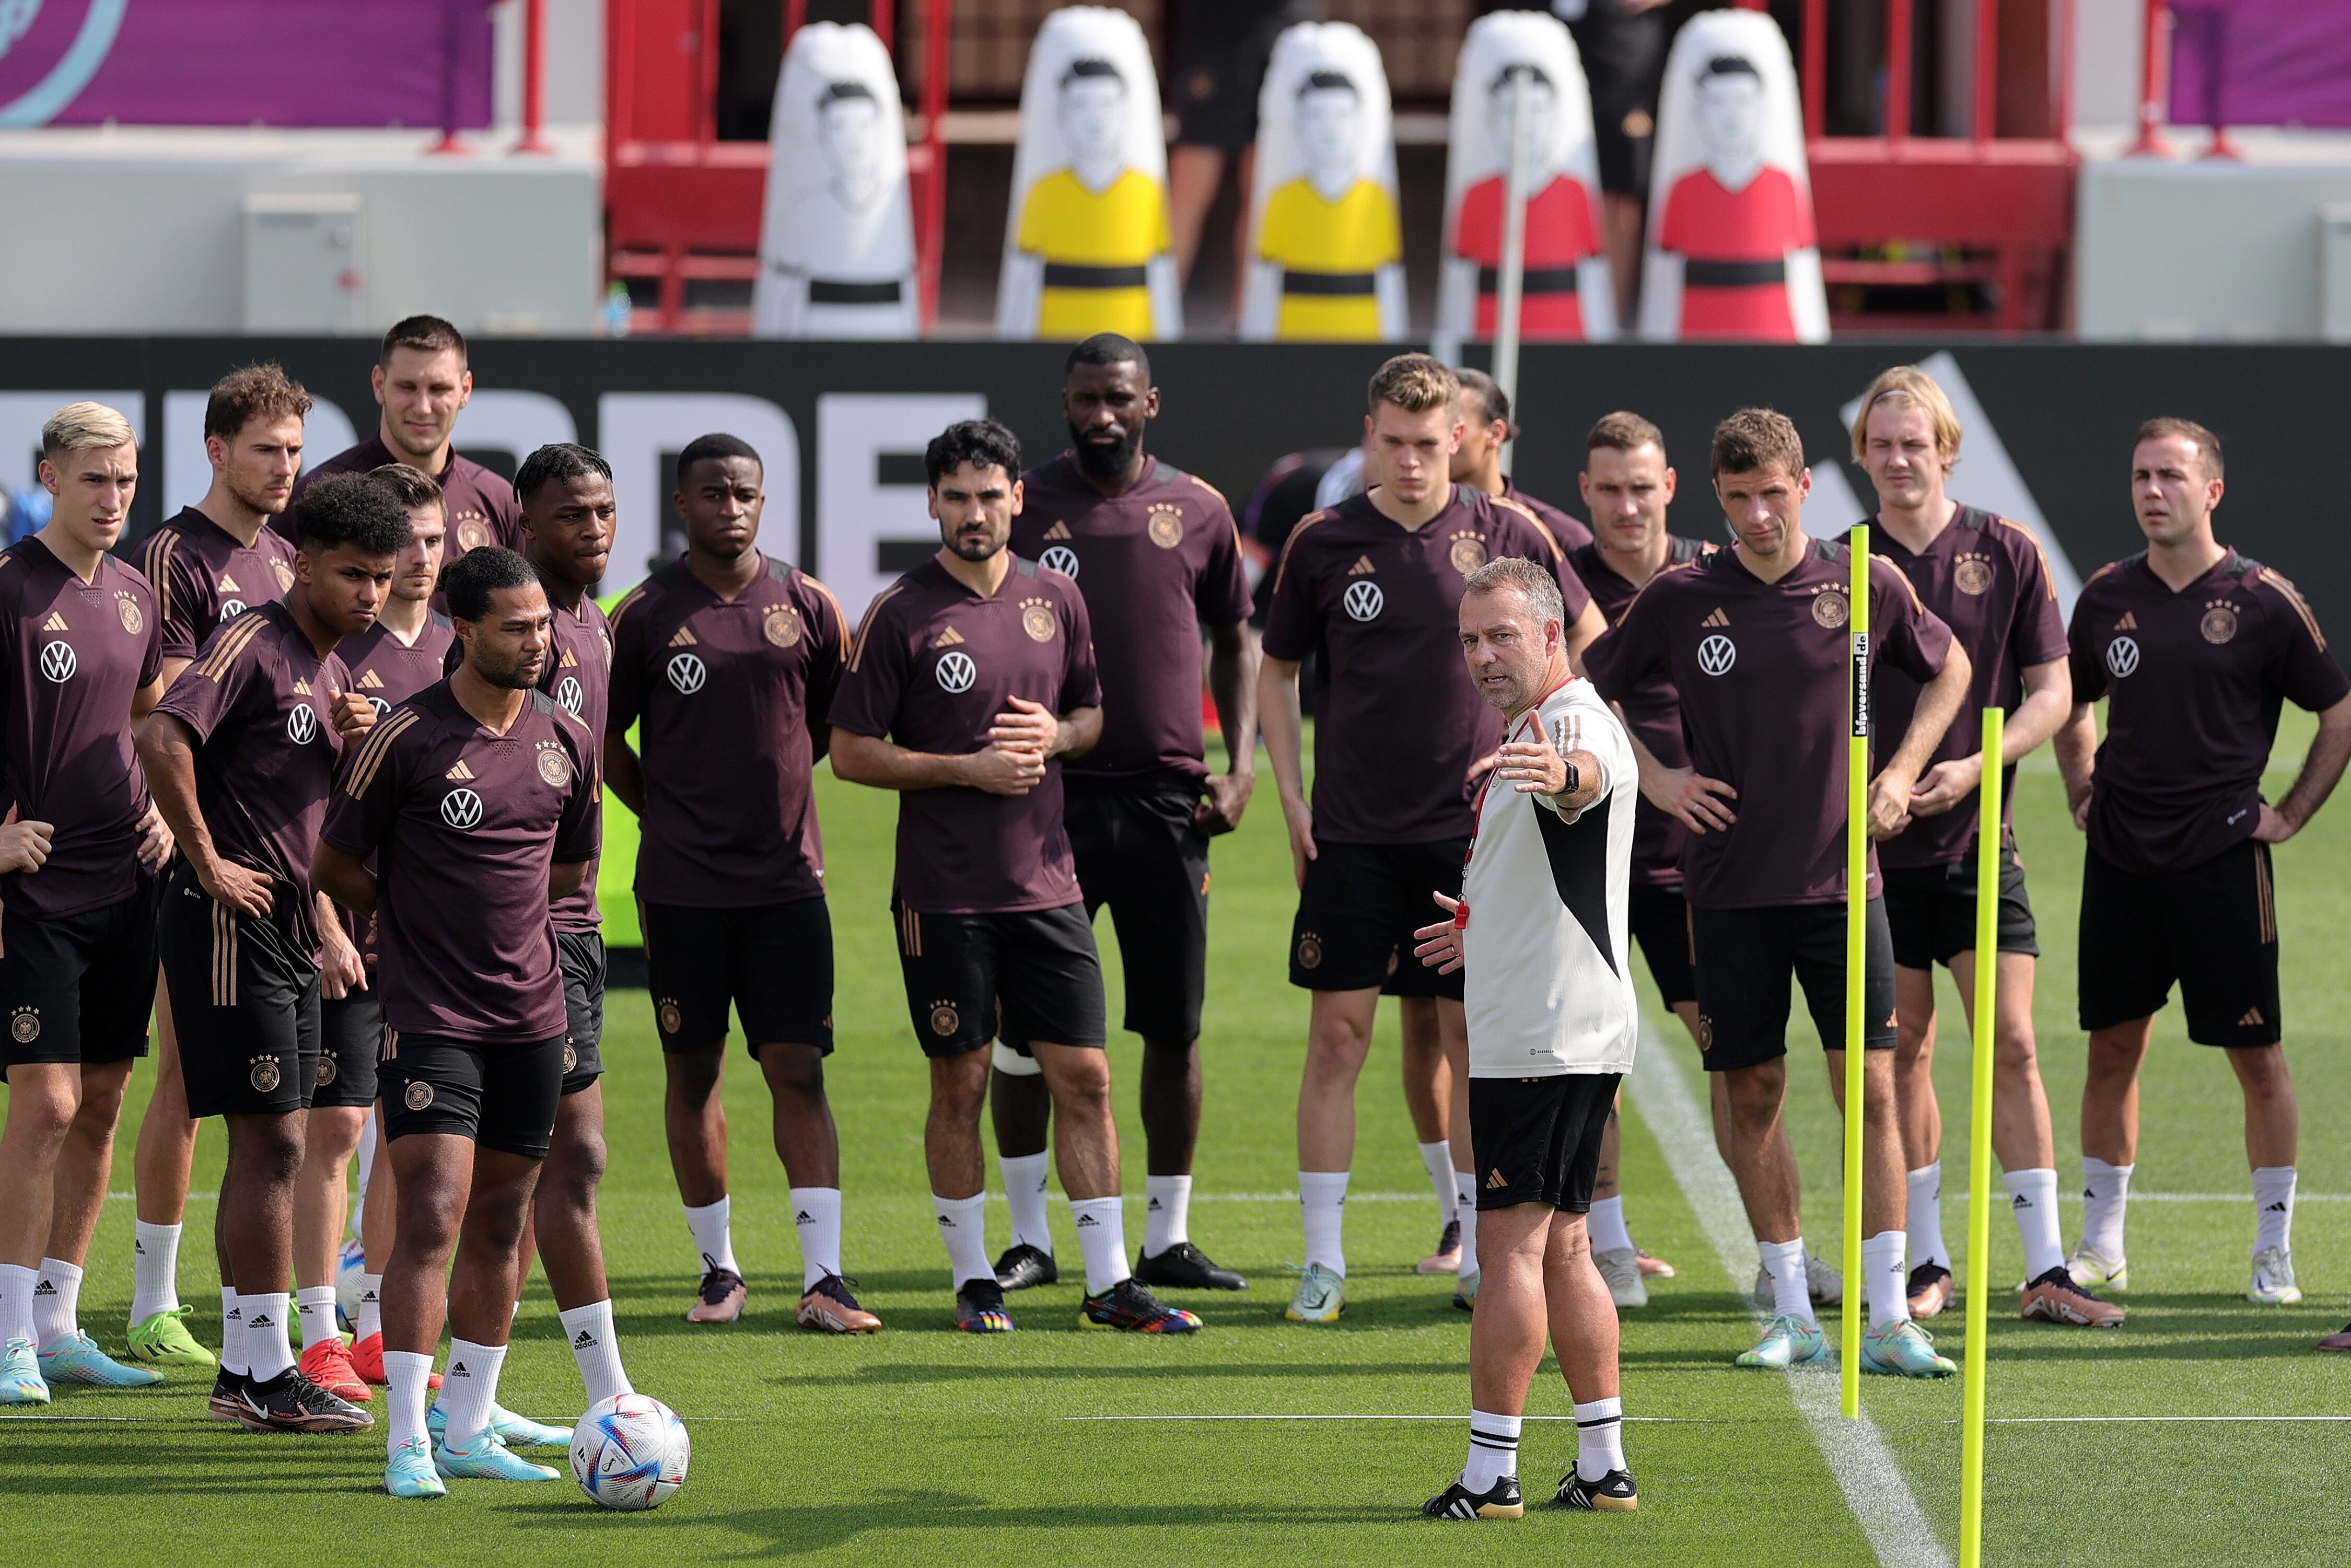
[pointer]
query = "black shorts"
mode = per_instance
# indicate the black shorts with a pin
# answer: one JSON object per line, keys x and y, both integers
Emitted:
{"x": 581, "y": 956}
{"x": 2211, "y": 926}
{"x": 1357, "y": 913}
{"x": 351, "y": 1034}
{"x": 78, "y": 987}
{"x": 1220, "y": 68}
{"x": 244, "y": 1005}
{"x": 1538, "y": 1139}
{"x": 1931, "y": 910}
{"x": 502, "y": 1095}
{"x": 772, "y": 961}
{"x": 1744, "y": 958}
{"x": 1661, "y": 924}
{"x": 1624, "y": 57}
{"x": 1138, "y": 851}
{"x": 1032, "y": 973}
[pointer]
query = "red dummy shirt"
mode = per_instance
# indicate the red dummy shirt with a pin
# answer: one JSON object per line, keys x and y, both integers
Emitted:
{"x": 1759, "y": 224}
{"x": 1559, "y": 234}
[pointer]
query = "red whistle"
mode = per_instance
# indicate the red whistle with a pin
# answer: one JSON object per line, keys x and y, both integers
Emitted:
{"x": 1461, "y": 916}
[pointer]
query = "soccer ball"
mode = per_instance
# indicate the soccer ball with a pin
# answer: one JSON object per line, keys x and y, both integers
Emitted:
{"x": 630, "y": 1452}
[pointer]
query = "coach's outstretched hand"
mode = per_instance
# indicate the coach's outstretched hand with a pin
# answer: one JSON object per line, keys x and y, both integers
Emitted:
{"x": 1440, "y": 945}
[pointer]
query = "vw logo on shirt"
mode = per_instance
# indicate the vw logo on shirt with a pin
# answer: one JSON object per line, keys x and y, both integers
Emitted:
{"x": 568, "y": 693}
{"x": 57, "y": 662}
{"x": 232, "y": 610}
{"x": 956, "y": 671}
{"x": 1364, "y": 600}
{"x": 461, "y": 810}
{"x": 1717, "y": 654}
{"x": 301, "y": 724}
{"x": 382, "y": 707}
{"x": 686, "y": 673}
{"x": 1060, "y": 559}
{"x": 2122, "y": 656}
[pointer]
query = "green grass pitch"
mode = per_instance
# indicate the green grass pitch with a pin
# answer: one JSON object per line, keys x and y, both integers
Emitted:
{"x": 924, "y": 1445}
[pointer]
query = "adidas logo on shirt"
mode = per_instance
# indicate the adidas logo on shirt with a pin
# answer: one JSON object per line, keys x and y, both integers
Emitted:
{"x": 1716, "y": 619}
{"x": 370, "y": 682}
{"x": 55, "y": 623}
{"x": 459, "y": 772}
{"x": 302, "y": 688}
{"x": 1363, "y": 567}
{"x": 685, "y": 638}
{"x": 567, "y": 661}
{"x": 228, "y": 584}
{"x": 2129, "y": 622}
{"x": 585, "y": 1341}
{"x": 1057, "y": 531}
{"x": 947, "y": 639}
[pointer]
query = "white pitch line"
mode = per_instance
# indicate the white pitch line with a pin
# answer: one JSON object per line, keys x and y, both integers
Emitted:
{"x": 1457, "y": 1418}
{"x": 2141, "y": 1420}
{"x": 1875, "y": 1487}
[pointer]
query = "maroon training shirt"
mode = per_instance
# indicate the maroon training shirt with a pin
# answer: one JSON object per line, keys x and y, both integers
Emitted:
{"x": 481, "y": 507}
{"x": 1572, "y": 535}
{"x": 461, "y": 820}
{"x": 1652, "y": 712}
{"x": 261, "y": 702}
{"x": 931, "y": 666}
{"x": 78, "y": 654}
{"x": 203, "y": 579}
{"x": 579, "y": 677}
{"x": 1397, "y": 723}
{"x": 733, "y": 699}
{"x": 1988, "y": 580}
{"x": 388, "y": 672}
{"x": 2194, "y": 681}
{"x": 1156, "y": 564}
{"x": 1761, "y": 671}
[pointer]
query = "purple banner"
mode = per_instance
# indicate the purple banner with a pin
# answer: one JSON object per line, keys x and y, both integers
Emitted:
{"x": 2261, "y": 62}
{"x": 246, "y": 62}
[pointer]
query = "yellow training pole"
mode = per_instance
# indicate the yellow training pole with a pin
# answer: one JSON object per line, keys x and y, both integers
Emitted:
{"x": 1856, "y": 956}
{"x": 1972, "y": 1417}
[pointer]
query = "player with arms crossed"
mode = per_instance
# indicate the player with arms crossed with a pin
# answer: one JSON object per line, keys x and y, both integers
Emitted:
{"x": 2195, "y": 648}
{"x": 971, "y": 678}
{"x": 478, "y": 794}
{"x": 80, "y": 656}
{"x": 1753, "y": 638}
{"x": 1157, "y": 557}
{"x": 1542, "y": 936}
{"x": 1373, "y": 586}
{"x": 727, "y": 661}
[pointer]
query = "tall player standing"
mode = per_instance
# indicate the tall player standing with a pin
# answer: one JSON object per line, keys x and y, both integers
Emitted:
{"x": 2193, "y": 644}
{"x": 1373, "y": 586}
{"x": 1487, "y": 427}
{"x": 727, "y": 659}
{"x": 1157, "y": 557}
{"x": 80, "y": 656}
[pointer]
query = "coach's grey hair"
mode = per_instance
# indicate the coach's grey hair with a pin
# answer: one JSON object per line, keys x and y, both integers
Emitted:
{"x": 1541, "y": 589}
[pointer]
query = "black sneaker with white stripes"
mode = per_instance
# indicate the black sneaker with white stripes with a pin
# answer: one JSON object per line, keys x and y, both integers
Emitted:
{"x": 1612, "y": 1494}
{"x": 1457, "y": 1501}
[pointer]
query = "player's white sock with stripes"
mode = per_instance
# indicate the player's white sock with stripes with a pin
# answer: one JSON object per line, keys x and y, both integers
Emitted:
{"x": 315, "y": 1304}
{"x": 1606, "y": 1226}
{"x": 1024, "y": 1193}
{"x": 407, "y": 1374}
{"x": 2272, "y": 1206}
{"x": 597, "y": 1350}
{"x": 2105, "y": 1195}
{"x": 469, "y": 1388}
{"x": 365, "y": 1161}
{"x": 1322, "y": 1205}
{"x": 1167, "y": 1213}
{"x": 1783, "y": 1265}
{"x": 1100, "y": 1224}
{"x": 714, "y": 1236}
{"x": 56, "y": 1299}
{"x": 816, "y": 1215}
{"x": 2032, "y": 1198}
{"x": 1438, "y": 1158}
{"x": 1926, "y": 1217}
{"x": 155, "y": 1269}
{"x": 1493, "y": 1450}
{"x": 371, "y": 1305}
{"x": 1888, "y": 1282}
{"x": 1599, "y": 1438}
{"x": 1465, "y": 1204}
{"x": 17, "y": 1283}
{"x": 962, "y": 1227}
{"x": 266, "y": 1354}
{"x": 232, "y": 1355}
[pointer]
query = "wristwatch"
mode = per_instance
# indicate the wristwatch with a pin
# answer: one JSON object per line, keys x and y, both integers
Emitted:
{"x": 1573, "y": 782}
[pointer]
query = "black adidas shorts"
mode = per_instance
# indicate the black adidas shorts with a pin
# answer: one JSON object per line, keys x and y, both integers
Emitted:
{"x": 244, "y": 1004}
{"x": 581, "y": 956}
{"x": 1538, "y": 1139}
{"x": 1138, "y": 851}
{"x": 1660, "y": 920}
{"x": 351, "y": 1032}
{"x": 2211, "y": 926}
{"x": 78, "y": 987}
{"x": 773, "y": 962}
{"x": 1032, "y": 973}
{"x": 502, "y": 1095}
{"x": 1357, "y": 913}
{"x": 1745, "y": 957}
{"x": 1931, "y": 909}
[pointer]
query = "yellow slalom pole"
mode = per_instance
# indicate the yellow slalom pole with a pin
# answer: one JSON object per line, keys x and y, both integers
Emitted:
{"x": 1856, "y": 956}
{"x": 1971, "y": 1414}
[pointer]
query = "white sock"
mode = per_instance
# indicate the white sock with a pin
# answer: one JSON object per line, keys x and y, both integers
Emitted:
{"x": 315, "y": 1304}
{"x": 155, "y": 1269}
{"x": 816, "y": 1215}
{"x": 1926, "y": 1217}
{"x": 1784, "y": 1262}
{"x": 266, "y": 1354}
{"x": 365, "y": 1162}
{"x": 2105, "y": 1194}
{"x": 407, "y": 1373}
{"x": 1599, "y": 1437}
{"x": 1888, "y": 1282}
{"x": 56, "y": 1299}
{"x": 1024, "y": 1192}
{"x": 714, "y": 1238}
{"x": 2272, "y": 1205}
{"x": 468, "y": 1389}
{"x": 1493, "y": 1450}
{"x": 1100, "y": 1224}
{"x": 2033, "y": 1195}
{"x": 962, "y": 1225}
{"x": 17, "y": 1283}
{"x": 1167, "y": 1213}
{"x": 1606, "y": 1226}
{"x": 232, "y": 1356}
{"x": 1323, "y": 1201}
{"x": 371, "y": 1305}
{"x": 1465, "y": 1204}
{"x": 1438, "y": 1158}
{"x": 597, "y": 1350}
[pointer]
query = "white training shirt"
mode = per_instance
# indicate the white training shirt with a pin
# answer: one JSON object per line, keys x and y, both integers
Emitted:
{"x": 1548, "y": 976}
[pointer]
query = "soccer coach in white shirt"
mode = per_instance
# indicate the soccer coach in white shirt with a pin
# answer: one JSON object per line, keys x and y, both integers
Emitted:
{"x": 1541, "y": 928}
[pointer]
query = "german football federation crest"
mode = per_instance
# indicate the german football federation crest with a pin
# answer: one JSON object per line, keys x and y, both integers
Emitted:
{"x": 418, "y": 1096}
{"x": 1973, "y": 574}
{"x": 554, "y": 767}
{"x": 943, "y": 1019}
{"x": 265, "y": 1075}
{"x": 2220, "y": 622}
{"x": 1037, "y": 620}
{"x": 1467, "y": 553}
{"x": 127, "y": 610}
{"x": 1166, "y": 524}
{"x": 1830, "y": 609}
{"x": 781, "y": 626}
{"x": 285, "y": 576}
{"x": 25, "y": 1028}
{"x": 472, "y": 528}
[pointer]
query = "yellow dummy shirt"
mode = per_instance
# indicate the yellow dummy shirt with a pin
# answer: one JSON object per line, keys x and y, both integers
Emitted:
{"x": 1345, "y": 241}
{"x": 1115, "y": 234}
